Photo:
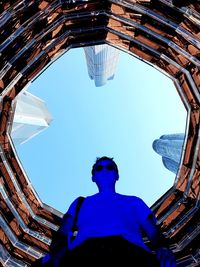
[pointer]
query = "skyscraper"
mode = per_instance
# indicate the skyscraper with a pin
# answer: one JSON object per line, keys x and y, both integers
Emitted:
{"x": 169, "y": 146}
{"x": 101, "y": 63}
{"x": 31, "y": 117}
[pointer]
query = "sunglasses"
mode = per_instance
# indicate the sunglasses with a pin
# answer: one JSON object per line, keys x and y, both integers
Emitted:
{"x": 109, "y": 167}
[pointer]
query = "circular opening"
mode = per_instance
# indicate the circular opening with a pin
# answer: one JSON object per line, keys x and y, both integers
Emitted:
{"x": 120, "y": 119}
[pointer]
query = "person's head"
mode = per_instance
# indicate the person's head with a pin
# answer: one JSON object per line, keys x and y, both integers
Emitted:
{"x": 104, "y": 166}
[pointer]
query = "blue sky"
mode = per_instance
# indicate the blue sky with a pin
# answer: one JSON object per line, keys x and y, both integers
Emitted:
{"x": 120, "y": 120}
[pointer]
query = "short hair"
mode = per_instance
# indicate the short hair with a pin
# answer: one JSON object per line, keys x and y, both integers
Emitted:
{"x": 98, "y": 159}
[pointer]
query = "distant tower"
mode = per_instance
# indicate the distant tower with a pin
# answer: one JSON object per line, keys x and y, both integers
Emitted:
{"x": 31, "y": 117}
{"x": 101, "y": 63}
{"x": 170, "y": 148}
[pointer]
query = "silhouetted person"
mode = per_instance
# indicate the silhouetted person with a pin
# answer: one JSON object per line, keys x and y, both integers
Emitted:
{"x": 111, "y": 228}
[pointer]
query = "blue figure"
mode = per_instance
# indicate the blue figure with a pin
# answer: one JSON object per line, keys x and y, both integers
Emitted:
{"x": 111, "y": 228}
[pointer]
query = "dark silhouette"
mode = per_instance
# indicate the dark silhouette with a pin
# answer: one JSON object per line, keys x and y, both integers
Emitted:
{"x": 110, "y": 228}
{"x": 182, "y": 3}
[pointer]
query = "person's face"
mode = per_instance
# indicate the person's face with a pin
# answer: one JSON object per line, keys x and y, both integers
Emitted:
{"x": 105, "y": 173}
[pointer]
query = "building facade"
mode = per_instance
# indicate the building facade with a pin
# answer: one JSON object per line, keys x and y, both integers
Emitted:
{"x": 169, "y": 147}
{"x": 102, "y": 61}
{"x": 31, "y": 117}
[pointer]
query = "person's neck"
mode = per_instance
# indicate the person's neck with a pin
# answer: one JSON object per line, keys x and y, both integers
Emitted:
{"x": 107, "y": 192}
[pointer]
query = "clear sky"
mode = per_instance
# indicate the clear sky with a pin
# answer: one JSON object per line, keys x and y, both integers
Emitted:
{"x": 120, "y": 120}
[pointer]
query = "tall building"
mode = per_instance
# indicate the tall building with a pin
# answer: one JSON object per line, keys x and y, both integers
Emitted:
{"x": 31, "y": 117}
{"x": 102, "y": 63}
{"x": 169, "y": 147}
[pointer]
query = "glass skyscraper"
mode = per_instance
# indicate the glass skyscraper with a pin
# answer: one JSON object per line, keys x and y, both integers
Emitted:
{"x": 169, "y": 147}
{"x": 102, "y": 62}
{"x": 30, "y": 118}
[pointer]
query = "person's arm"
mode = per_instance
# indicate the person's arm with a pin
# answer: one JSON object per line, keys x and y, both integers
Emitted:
{"x": 163, "y": 253}
{"x": 59, "y": 244}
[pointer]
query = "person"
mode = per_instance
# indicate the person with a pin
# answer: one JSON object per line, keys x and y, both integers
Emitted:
{"x": 111, "y": 228}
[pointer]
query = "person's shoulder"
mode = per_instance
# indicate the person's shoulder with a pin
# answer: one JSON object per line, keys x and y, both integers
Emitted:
{"x": 135, "y": 200}
{"x": 93, "y": 196}
{"x": 74, "y": 203}
{"x": 130, "y": 197}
